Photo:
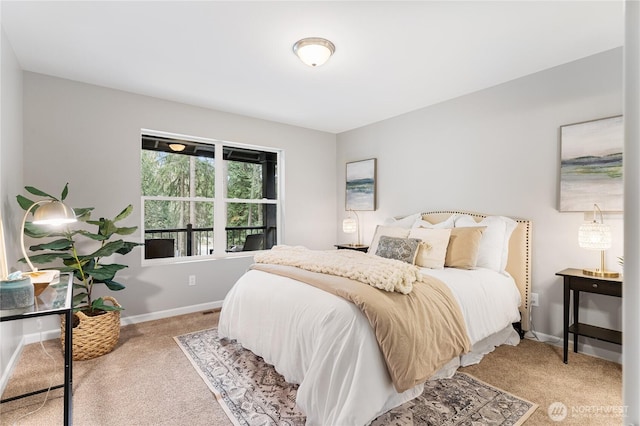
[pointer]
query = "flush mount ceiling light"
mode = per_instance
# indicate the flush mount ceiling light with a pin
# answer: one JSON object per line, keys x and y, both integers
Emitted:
{"x": 314, "y": 51}
{"x": 177, "y": 147}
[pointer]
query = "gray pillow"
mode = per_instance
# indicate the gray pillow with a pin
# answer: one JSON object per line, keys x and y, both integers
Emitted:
{"x": 404, "y": 249}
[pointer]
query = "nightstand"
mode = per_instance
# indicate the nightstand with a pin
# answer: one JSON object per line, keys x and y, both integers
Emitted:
{"x": 357, "y": 247}
{"x": 575, "y": 280}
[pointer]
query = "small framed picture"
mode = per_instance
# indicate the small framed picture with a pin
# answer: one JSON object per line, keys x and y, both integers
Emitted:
{"x": 361, "y": 185}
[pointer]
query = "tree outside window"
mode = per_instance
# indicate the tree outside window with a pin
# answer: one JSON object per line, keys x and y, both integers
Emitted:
{"x": 185, "y": 213}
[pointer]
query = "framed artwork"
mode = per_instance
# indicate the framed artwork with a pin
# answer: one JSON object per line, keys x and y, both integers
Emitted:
{"x": 361, "y": 185}
{"x": 591, "y": 165}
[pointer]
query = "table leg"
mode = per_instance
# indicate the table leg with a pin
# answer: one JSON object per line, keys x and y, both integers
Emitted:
{"x": 576, "y": 306}
{"x": 567, "y": 297}
{"x": 68, "y": 365}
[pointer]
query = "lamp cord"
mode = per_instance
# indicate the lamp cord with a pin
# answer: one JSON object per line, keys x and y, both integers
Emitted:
{"x": 46, "y": 397}
{"x": 533, "y": 332}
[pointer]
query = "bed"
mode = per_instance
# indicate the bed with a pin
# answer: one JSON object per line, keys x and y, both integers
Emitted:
{"x": 327, "y": 345}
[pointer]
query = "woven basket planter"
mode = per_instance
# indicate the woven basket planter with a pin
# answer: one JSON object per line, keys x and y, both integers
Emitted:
{"x": 94, "y": 336}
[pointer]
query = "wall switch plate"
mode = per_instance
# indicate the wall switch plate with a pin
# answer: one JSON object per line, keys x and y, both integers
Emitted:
{"x": 192, "y": 280}
{"x": 534, "y": 299}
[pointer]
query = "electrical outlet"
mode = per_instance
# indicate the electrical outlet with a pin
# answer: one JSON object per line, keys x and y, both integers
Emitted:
{"x": 192, "y": 280}
{"x": 534, "y": 299}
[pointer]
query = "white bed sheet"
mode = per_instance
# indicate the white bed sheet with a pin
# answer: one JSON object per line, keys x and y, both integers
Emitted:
{"x": 488, "y": 300}
{"x": 326, "y": 345}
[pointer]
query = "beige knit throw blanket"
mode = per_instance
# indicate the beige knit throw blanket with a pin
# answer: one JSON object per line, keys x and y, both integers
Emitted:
{"x": 379, "y": 272}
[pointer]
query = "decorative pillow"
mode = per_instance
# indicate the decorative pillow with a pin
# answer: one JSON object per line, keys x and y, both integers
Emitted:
{"x": 494, "y": 245}
{"x": 404, "y": 249}
{"x": 433, "y": 248}
{"x": 463, "y": 247}
{"x": 405, "y": 222}
{"x": 390, "y": 231}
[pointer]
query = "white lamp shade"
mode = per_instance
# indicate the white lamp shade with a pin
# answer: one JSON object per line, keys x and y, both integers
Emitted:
{"x": 349, "y": 226}
{"x": 314, "y": 51}
{"x": 594, "y": 236}
{"x": 53, "y": 213}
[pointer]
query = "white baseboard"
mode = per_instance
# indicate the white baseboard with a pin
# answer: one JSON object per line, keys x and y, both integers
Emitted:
{"x": 135, "y": 319}
{"x": 583, "y": 348}
{"x": 55, "y": 333}
{"x": 170, "y": 313}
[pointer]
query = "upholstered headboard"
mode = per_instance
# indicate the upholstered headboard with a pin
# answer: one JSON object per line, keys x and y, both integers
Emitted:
{"x": 519, "y": 261}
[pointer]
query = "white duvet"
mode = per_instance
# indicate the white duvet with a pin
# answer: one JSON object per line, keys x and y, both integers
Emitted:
{"x": 326, "y": 345}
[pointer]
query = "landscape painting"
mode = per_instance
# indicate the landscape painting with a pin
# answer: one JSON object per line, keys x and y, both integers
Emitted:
{"x": 591, "y": 165}
{"x": 361, "y": 185}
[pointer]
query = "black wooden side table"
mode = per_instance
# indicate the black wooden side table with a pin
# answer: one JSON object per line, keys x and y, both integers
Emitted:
{"x": 575, "y": 280}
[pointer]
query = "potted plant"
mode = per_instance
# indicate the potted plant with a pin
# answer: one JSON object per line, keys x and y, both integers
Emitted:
{"x": 83, "y": 252}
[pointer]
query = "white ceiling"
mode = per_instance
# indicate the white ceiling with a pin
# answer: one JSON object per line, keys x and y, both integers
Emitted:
{"x": 391, "y": 57}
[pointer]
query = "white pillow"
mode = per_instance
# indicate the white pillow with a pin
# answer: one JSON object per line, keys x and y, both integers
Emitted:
{"x": 494, "y": 245}
{"x": 433, "y": 249}
{"x": 405, "y": 222}
{"x": 389, "y": 231}
{"x": 447, "y": 223}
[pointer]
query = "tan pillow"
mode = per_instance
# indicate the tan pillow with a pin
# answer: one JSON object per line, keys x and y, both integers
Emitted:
{"x": 463, "y": 247}
{"x": 389, "y": 231}
{"x": 433, "y": 249}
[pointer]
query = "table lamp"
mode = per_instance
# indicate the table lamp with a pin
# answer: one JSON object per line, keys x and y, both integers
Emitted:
{"x": 351, "y": 225}
{"x": 596, "y": 236}
{"x": 49, "y": 212}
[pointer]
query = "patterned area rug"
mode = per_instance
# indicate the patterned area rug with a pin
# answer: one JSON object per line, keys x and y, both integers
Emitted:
{"x": 252, "y": 393}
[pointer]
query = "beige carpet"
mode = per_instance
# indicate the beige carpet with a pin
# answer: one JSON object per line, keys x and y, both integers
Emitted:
{"x": 147, "y": 380}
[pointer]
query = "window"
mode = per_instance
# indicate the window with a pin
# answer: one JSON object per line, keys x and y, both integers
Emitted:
{"x": 194, "y": 205}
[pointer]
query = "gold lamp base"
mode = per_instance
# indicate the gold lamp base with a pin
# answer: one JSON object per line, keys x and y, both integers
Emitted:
{"x": 600, "y": 273}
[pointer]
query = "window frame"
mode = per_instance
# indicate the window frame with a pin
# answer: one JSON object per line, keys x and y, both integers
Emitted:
{"x": 219, "y": 200}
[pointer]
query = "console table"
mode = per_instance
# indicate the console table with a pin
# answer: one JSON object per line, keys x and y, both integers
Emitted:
{"x": 356, "y": 247}
{"x": 56, "y": 299}
{"x": 575, "y": 280}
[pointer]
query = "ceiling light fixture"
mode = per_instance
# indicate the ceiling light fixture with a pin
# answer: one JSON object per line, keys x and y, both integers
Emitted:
{"x": 177, "y": 147}
{"x": 314, "y": 51}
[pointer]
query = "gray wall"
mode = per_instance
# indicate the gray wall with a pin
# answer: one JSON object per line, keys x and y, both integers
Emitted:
{"x": 10, "y": 177}
{"x": 497, "y": 151}
{"x": 89, "y": 136}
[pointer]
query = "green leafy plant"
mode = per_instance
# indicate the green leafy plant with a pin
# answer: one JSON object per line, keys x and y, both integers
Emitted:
{"x": 65, "y": 246}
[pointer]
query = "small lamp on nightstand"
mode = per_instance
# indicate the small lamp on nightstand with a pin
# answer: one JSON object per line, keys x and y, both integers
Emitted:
{"x": 351, "y": 225}
{"x": 596, "y": 236}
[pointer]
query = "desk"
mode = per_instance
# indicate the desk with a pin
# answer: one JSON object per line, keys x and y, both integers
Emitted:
{"x": 357, "y": 247}
{"x": 55, "y": 300}
{"x": 575, "y": 280}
